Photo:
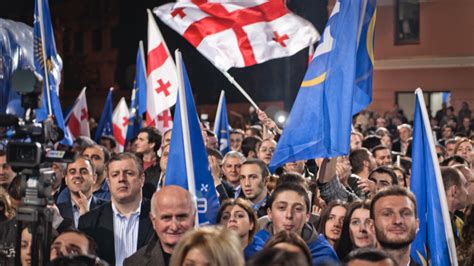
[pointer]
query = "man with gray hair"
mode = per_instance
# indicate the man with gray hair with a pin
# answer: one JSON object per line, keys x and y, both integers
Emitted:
{"x": 172, "y": 214}
{"x": 231, "y": 171}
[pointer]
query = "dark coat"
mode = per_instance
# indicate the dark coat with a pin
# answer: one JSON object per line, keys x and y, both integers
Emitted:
{"x": 99, "y": 225}
{"x": 151, "y": 254}
{"x": 65, "y": 208}
{"x": 152, "y": 176}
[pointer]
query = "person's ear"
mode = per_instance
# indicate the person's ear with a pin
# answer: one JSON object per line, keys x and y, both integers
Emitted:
{"x": 269, "y": 213}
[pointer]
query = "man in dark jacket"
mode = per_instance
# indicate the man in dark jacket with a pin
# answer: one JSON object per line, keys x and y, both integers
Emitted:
{"x": 172, "y": 215}
{"x": 122, "y": 226}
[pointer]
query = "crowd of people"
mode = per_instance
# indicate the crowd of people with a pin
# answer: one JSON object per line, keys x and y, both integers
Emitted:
{"x": 112, "y": 208}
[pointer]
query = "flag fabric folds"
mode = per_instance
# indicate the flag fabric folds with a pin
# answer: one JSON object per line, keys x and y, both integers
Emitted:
{"x": 105, "y": 122}
{"x": 162, "y": 80}
{"x": 120, "y": 123}
{"x": 78, "y": 118}
{"x": 365, "y": 59}
{"x": 221, "y": 125}
{"x": 319, "y": 123}
{"x": 187, "y": 158}
{"x": 434, "y": 242}
{"x": 49, "y": 65}
{"x": 138, "y": 100}
{"x": 239, "y": 33}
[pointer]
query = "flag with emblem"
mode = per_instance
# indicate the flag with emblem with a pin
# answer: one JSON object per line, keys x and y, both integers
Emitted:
{"x": 187, "y": 158}
{"x": 49, "y": 65}
{"x": 120, "y": 123}
{"x": 239, "y": 33}
{"x": 138, "y": 100}
{"x": 434, "y": 242}
{"x": 319, "y": 124}
{"x": 162, "y": 81}
{"x": 221, "y": 125}
{"x": 105, "y": 123}
{"x": 78, "y": 119}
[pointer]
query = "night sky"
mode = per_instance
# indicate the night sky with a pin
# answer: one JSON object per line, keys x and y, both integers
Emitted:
{"x": 275, "y": 80}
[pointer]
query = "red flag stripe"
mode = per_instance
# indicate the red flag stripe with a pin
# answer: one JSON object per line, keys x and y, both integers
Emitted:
{"x": 156, "y": 58}
{"x": 220, "y": 19}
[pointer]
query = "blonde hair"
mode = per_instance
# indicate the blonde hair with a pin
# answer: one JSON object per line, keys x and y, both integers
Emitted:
{"x": 220, "y": 246}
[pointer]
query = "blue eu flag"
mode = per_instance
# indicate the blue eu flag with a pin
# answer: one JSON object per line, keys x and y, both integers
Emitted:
{"x": 319, "y": 124}
{"x": 105, "y": 124}
{"x": 49, "y": 65}
{"x": 221, "y": 125}
{"x": 138, "y": 101}
{"x": 434, "y": 241}
{"x": 187, "y": 158}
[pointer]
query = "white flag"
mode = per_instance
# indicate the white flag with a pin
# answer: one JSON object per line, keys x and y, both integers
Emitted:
{"x": 78, "y": 120}
{"x": 162, "y": 81}
{"x": 120, "y": 123}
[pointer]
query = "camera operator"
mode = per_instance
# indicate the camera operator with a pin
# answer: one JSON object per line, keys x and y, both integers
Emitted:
{"x": 6, "y": 172}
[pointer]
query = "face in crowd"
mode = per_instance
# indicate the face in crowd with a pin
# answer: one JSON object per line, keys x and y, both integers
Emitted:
{"x": 80, "y": 177}
{"x": 231, "y": 170}
{"x": 361, "y": 229}
{"x": 383, "y": 157}
{"x": 70, "y": 243}
{"x": 333, "y": 227}
{"x": 142, "y": 144}
{"x": 236, "y": 141}
{"x": 252, "y": 182}
{"x": 236, "y": 218}
{"x": 6, "y": 172}
{"x": 96, "y": 156}
{"x": 266, "y": 150}
{"x": 288, "y": 212}
{"x": 395, "y": 221}
{"x": 297, "y": 167}
{"x": 172, "y": 215}
{"x": 125, "y": 182}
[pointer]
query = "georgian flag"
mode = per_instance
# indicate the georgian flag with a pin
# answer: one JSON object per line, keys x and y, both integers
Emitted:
{"x": 164, "y": 121}
{"x": 78, "y": 120}
{"x": 162, "y": 81}
{"x": 120, "y": 123}
{"x": 239, "y": 33}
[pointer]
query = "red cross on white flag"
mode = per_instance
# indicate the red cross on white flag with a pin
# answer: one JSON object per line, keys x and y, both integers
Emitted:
{"x": 78, "y": 120}
{"x": 162, "y": 81}
{"x": 120, "y": 123}
{"x": 239, "y": 33}
{"x": 163, "y": 121}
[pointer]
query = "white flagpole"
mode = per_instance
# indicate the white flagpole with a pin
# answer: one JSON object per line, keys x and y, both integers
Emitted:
{"x": 142, "y": 53}
{"x": 186, "y": 134}
{"x": 237, "y": 85}
{"x": 439, "y": 181}
{"x": 218, "y": 112}
{"x": 43, "y": 48}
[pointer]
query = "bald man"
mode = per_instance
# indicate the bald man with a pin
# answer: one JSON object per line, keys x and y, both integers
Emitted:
{"x": 172, "y": 214}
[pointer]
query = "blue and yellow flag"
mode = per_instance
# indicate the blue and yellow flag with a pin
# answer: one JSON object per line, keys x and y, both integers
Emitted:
{"x": 221, "y": 125}
{"x": 319, "y": 124}
{"x": 188, "y": 166}
{"x": 49, "y": 65}
{"x": 138, "y": 101}
{"x": 434, "y": 242}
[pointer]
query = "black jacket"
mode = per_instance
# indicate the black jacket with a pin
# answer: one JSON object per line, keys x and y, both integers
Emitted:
{"x": 65, "y": 208}
{"x": 151, "y": 254}
{"x": 99, "y": 225}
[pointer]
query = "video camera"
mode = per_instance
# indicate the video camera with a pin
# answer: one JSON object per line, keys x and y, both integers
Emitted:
{"x": 30, "y": 154}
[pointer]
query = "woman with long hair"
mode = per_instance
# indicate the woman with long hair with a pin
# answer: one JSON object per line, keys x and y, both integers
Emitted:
{"x": 330, "y": 222}
{"x": 357, "y": 229}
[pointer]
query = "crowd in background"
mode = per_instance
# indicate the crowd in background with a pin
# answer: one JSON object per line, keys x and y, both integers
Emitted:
{"x": 113, "y": 208}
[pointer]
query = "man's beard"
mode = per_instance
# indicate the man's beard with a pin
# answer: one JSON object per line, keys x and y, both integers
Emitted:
{"x": 395, "y": 244}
